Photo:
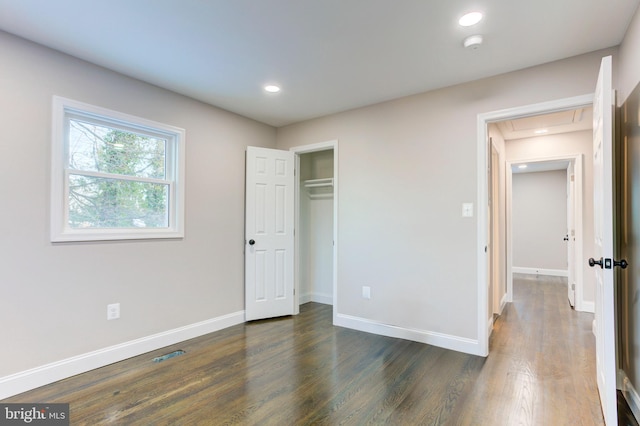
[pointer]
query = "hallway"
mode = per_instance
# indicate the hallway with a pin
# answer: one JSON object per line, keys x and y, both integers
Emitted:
{"x": 541, "y": 368}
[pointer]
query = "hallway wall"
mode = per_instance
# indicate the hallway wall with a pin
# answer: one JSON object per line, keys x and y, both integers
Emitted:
{"x": 539, "y": 221}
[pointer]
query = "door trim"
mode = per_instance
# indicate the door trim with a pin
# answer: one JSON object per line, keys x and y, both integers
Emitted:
{"x": 305, "y": 149}
{"x": 483, "y": 120}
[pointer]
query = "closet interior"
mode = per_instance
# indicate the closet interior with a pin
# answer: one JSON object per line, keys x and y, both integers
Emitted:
{"x": 316, "y": 227}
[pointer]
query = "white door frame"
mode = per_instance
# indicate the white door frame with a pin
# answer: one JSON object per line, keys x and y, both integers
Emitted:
{"x": 305, "y": 149}
{"x": 495, "y": 274}
{"x": 576, "y": 159}
{"x": 483, "y": 152}
{"x": 572, "y": 217}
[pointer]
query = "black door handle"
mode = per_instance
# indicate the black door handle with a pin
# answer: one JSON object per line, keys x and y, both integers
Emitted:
{"x": 252, "y": 242}
{"x": 622, "y": 263}
{"x": 593, "y": 262}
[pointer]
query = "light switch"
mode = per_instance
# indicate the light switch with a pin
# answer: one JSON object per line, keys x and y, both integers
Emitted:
{"x": 467, "y": 209}
{"x": 366, "y": 292}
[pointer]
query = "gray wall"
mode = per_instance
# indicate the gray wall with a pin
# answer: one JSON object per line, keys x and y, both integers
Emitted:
{"x": 54, "y": 297}
{"x": 539, "y": 220}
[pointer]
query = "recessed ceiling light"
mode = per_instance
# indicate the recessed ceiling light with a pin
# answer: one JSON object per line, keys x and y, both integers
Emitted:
{"x": 272, "y": 88}
{"x": 522, "y": 166}
{"x": 469, "y": 19}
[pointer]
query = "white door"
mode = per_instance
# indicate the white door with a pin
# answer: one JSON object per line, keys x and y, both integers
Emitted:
{"x": 603, "y": 232}
{"x": 571, "y": 235}
{"x": 269, "y": 238}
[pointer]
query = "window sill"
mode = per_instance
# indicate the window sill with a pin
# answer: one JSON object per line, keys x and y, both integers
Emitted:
{"x": 114, "y": 235}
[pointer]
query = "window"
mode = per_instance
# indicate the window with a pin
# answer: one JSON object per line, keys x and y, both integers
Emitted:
{"x": 114, "y": 176}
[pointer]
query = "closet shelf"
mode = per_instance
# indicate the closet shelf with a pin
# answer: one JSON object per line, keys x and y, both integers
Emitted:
{"x": 319, "y": 188}
{"x": 318, "y": 183}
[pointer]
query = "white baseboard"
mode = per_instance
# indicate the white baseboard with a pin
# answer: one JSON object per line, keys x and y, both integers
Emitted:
{"x": 490, "y": 326}
{"x": 540, "y": 271}
{"x": 33, "y": 378}
{"x": 325, "y": 299}
{"x": 446, "y": 341}
{"x": 630, "y": 393}
{"x": 503, "y": 303}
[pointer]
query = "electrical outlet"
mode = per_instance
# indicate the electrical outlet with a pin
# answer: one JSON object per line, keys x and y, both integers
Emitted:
{"x": 113, "y": 311}
{"x": 366, "y": 292}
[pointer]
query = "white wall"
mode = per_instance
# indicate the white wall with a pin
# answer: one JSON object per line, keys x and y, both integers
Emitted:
{"x": 539, "y": 221}
{"x": 53, "y": 298}
{"x": 406, "y": 167}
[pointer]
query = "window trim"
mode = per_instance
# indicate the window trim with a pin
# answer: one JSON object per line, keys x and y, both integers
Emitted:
{"x": 175, "y": 173}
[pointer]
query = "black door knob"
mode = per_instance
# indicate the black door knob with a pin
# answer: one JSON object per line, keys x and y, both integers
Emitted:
{"x": 622, "y": 263}
{"x": 593, "y": 262}
{"x": 252, "y": 242}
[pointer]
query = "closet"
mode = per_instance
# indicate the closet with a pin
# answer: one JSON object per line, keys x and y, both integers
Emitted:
{"x": 316, "y": 227}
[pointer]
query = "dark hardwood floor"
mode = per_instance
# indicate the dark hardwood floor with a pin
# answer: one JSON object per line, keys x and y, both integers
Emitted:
{"x": 302, "y": 371}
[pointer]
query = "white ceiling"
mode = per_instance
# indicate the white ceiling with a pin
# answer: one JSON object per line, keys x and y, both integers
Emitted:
{"x": 553, "y": 124}
{"x": 328, "y": 55}
{"x": 540, "y": 166}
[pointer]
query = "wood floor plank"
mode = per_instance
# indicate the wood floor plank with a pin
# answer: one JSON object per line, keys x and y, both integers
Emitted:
{"x": 303, "y": 371}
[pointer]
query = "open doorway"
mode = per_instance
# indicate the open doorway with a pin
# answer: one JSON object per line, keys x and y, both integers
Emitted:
{"x": 554, "y": 141}
{"x": 316, "y": 224}
{"x": 279, "y": 259}
{"x": 545, "y": 216}
{"x": 535, "y": 201}
{"x": 517, "y": 131}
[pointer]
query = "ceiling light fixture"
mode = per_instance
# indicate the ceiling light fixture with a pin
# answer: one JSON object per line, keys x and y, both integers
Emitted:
{"x": 540, "y": 131}
{"x": 522, "y": 166}
{"x": 472, "y": 42}
{"x": 470, "y": 19}
{"x": 272, "y": 88}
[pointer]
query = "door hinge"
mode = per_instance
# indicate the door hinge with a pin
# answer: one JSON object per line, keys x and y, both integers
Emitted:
{"x": 573, "y": 287}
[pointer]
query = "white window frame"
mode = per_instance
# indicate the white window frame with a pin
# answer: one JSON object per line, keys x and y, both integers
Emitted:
{"x": 63, "y": 109}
